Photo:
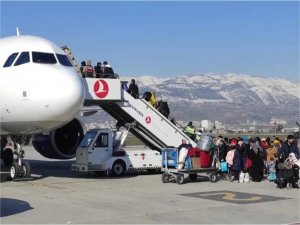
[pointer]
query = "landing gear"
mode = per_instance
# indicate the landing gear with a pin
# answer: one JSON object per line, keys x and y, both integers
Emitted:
{"x": 19, "y": 169}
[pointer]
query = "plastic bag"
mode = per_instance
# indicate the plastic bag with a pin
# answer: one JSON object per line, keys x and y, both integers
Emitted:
{"x": 205, "y": 143}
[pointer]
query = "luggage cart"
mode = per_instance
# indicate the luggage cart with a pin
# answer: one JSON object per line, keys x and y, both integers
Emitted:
{"x": 174, "y": 174}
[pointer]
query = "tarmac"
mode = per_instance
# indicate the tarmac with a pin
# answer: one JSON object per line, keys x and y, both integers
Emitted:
{"x": 56, "y": 195}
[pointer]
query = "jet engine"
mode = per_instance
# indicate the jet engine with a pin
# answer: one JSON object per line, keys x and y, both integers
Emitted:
{"x": 62, "y": 142}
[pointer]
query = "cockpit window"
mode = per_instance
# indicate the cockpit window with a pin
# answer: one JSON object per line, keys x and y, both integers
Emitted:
{"x": 63, "y": 60}
{"x": 23, "y": 58}
{"x": 42, "y": 57}
{"x": 10, "y": 59}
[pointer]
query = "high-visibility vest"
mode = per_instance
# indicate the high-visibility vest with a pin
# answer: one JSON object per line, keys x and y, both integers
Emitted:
{"x": 190, "y": 130}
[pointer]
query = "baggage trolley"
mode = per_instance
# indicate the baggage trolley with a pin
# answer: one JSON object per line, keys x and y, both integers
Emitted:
{"x": 174, "y": 174}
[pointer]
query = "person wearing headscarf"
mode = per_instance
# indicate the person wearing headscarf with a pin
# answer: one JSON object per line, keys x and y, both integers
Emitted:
{"x": 257, "y": 160}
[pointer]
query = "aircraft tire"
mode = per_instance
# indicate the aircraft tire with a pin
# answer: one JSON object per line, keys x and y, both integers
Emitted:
{"x": 14, "y": 171}
{"x": 26, "y": 170}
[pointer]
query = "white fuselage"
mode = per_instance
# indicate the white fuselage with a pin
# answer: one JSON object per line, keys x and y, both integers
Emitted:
{"x": 42, "y": 92}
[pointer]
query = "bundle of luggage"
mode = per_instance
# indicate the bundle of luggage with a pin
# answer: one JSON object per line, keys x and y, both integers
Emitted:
{"x": 288, "y": 172}
{"x": 192, "y": 158}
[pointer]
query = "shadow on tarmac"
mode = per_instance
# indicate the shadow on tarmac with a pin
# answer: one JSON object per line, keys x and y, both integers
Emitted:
{"x": 10, "y": 206}
{"x": 41, "y": 169}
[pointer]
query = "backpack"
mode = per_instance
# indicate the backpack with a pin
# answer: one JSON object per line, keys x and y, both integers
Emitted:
{"x": 224, "y": 166}
{"x": 284, "y": 177}
{"x": 89, "y": 70}
{"x": 229, "y": 156}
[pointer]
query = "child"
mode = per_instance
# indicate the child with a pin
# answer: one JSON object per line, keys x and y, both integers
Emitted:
{"x": 271, "y": 170}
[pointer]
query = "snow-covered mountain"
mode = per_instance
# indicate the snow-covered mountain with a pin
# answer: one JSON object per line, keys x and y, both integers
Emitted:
{"x": 230, "y": 97}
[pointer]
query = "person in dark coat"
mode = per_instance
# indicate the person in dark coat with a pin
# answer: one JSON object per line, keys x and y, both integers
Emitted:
{"x": 257, "y": 161}
{"x": 133, "y": 89}
{"x": 81, "y": 68}
{"x": 289, "y": 146}
{"x": 98, "y": 70}
{"x": 237, "y": 162}
{"x": 223, "y": 149}
{"x": 163, "y": 108}
{"x": 184, "y": 144}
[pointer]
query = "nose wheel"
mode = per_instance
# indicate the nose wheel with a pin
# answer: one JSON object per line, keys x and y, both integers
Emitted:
{"x": 20, "y": 169}
{"x": 17, "y": 171}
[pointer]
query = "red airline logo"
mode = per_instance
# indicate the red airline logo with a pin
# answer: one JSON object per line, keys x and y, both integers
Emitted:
{"x": 101, "y": 88}
{"x": 148, "y": 119}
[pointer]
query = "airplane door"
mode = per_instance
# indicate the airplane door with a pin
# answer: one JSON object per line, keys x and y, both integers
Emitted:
{"x": 101, "y": 149}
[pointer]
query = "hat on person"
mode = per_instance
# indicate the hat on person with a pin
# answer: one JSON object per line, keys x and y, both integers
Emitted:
{"x": 233, "y": 142}
{"x": 245, "y": 139}
{"x": 290, "y": 137}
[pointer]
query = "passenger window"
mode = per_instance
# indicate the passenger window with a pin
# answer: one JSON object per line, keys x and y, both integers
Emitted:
{"x": 10, "y": 60}
{"x": 42, "y": 57}
{"x": 63, "y": 60}
{"x": 23, "y": 58}
{"x": 102, "y": 141}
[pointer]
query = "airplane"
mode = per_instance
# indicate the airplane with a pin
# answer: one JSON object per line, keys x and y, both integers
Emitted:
{"x": 40, "y": 95}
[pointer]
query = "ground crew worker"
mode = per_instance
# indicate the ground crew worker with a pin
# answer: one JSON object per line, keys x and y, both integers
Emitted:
{"x": 198, "y": 135}
{"x": 190, "y": 131}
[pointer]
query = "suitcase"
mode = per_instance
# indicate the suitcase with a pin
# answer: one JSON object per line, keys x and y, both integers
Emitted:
{"x": 171, "y": 154}
{"x": 204, "y": 159}
{"x": 194, "y": 152}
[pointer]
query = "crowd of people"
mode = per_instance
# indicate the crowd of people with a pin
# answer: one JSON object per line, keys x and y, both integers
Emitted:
{"x": 257, "y": 159}
{"x": 101, "y": 70}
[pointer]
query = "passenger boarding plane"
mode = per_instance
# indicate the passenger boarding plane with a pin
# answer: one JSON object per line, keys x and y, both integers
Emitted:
{"x": 39, "y": 91}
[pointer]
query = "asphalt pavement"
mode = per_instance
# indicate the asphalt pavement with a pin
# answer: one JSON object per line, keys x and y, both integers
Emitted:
{"x": 56, "y": 195}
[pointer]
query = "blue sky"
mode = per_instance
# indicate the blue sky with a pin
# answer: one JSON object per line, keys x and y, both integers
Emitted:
{"x": 168, "y": 38}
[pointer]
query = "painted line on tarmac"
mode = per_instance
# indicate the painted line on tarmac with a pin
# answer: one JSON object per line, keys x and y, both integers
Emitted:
{"x": 234, "y": 197}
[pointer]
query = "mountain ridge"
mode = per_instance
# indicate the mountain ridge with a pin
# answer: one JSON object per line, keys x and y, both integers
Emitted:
{"x": 228, "y": 97}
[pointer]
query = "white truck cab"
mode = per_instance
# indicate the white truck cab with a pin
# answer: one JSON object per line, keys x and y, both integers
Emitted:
{"x": 101, "y": 150}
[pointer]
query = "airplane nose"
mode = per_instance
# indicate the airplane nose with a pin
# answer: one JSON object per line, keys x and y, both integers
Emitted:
{"x": 69, "y": 95}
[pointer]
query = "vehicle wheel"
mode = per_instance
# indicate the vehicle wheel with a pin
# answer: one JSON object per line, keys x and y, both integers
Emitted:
{"x": 118, "y": 168}
{"x": 8, "y": 157}
{"x": 213, "y": 177}
{"x": 26, "y": 171}
{"x": 165, "y": 178}
{"x": 180, "y": 178}
{"x": 14, "y": 170}
{"x": 193, "y": 177}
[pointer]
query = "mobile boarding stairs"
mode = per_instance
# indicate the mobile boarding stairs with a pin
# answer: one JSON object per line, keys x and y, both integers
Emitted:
{"x": 146, "y": 123}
